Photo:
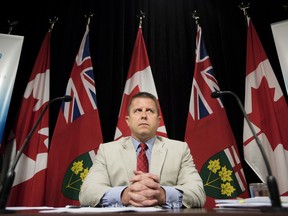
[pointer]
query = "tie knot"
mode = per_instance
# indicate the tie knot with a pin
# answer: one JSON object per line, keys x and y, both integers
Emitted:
{"x": 143, "y": 146}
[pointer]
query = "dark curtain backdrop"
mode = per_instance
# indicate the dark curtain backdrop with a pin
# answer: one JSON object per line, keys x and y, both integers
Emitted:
{"x": 169, "y": 31}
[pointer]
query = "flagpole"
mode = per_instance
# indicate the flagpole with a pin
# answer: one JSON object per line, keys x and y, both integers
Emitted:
{"x": 196, "y": 17}
{"x": 244, "y": 7}
{"x": 89, "y": 16}
{"x": 52, "y": 23}
{"x": 140, "y": 16}
{"x": 11, "y": 25}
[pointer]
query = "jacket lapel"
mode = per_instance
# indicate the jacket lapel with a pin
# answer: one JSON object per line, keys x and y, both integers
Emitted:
{"x": 159, "y": 152}
{"x": 128, "y": 156}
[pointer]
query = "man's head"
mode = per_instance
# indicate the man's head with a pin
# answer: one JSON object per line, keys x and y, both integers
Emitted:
{"x": 143, "y": 117}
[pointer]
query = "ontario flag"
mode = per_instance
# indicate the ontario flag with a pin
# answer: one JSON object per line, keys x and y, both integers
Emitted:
{"x": 266, "y": 108}
{"x": 209, "y": 135}
{"x": 30, "y": 179}
{"x": 139, "y": 78}
{"x": 77, "y": 133}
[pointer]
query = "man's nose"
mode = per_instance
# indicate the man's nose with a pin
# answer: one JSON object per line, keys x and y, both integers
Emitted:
{"x": 143, "y": 115}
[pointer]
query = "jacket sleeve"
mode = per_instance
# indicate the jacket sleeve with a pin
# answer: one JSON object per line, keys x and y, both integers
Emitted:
{"x": 190, "y": 182}
{"x": 96, "y": 182}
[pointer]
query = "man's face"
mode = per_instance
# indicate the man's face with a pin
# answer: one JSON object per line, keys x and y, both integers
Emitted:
{"x": 143, "y": 119}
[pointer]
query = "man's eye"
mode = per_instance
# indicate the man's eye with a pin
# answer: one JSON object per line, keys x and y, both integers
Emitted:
{"x": 150, "y": 111}
{"x": 138, "y": 110}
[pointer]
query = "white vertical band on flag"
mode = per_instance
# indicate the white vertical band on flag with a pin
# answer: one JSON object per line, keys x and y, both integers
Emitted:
{"x": 36, "y": 87}
{"x": 234, "y": 160}
{"x": 23, "y": 173}
{"x": 253, "y": 81}
{"x": 137, "y": 80}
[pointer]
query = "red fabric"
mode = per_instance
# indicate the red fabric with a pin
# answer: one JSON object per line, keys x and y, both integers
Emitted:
{"x": 210, "y": 137}
{"x": 77, "y": 134}
{"x": 142, "y": 161}
{"x": 30, "y": 179}
{"x": 139, "y": 78}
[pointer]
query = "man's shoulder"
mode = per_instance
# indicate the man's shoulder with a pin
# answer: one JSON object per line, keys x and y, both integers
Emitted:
{"x": 169, "y": 141}
{"x": 115, "y": 143}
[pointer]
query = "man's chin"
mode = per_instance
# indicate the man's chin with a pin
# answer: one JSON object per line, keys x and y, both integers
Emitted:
{"x": 144, "y": 133}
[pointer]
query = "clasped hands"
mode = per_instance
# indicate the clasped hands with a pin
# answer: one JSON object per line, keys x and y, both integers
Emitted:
{"x": 144, "y": 190}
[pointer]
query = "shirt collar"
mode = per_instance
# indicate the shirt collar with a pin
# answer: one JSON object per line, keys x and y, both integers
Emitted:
{"x": 149, "y": 143}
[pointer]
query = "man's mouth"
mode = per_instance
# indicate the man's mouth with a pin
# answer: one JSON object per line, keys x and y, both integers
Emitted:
{"x": 143, "y": 124}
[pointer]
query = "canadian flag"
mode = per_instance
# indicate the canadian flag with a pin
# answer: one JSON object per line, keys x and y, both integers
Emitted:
{"x": 139, "y": 79}
{"x": 266, "y": 107}
{"x": 30, "y": 179}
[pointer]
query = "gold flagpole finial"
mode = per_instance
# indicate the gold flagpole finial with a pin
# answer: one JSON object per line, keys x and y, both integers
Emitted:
{"x": 140, "y": 16}
{"x": 11, "y": 25}
{"x": 52, "y": 23}
{"x": 89, "y": 16}
{"x": 195, "y": 17}
{"x": 244, "y": 7}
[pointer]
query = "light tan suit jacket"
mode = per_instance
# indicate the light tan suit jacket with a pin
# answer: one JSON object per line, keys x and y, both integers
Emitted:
{"x": 170, "y": 160}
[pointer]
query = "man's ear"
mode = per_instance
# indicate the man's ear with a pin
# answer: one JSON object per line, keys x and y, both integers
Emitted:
{"x": 159, "y": 119}
{"x": 127, "y": 120}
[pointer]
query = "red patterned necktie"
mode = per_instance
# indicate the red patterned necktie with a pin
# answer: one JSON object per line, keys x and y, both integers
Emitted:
{"x": 142, "y": 161}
